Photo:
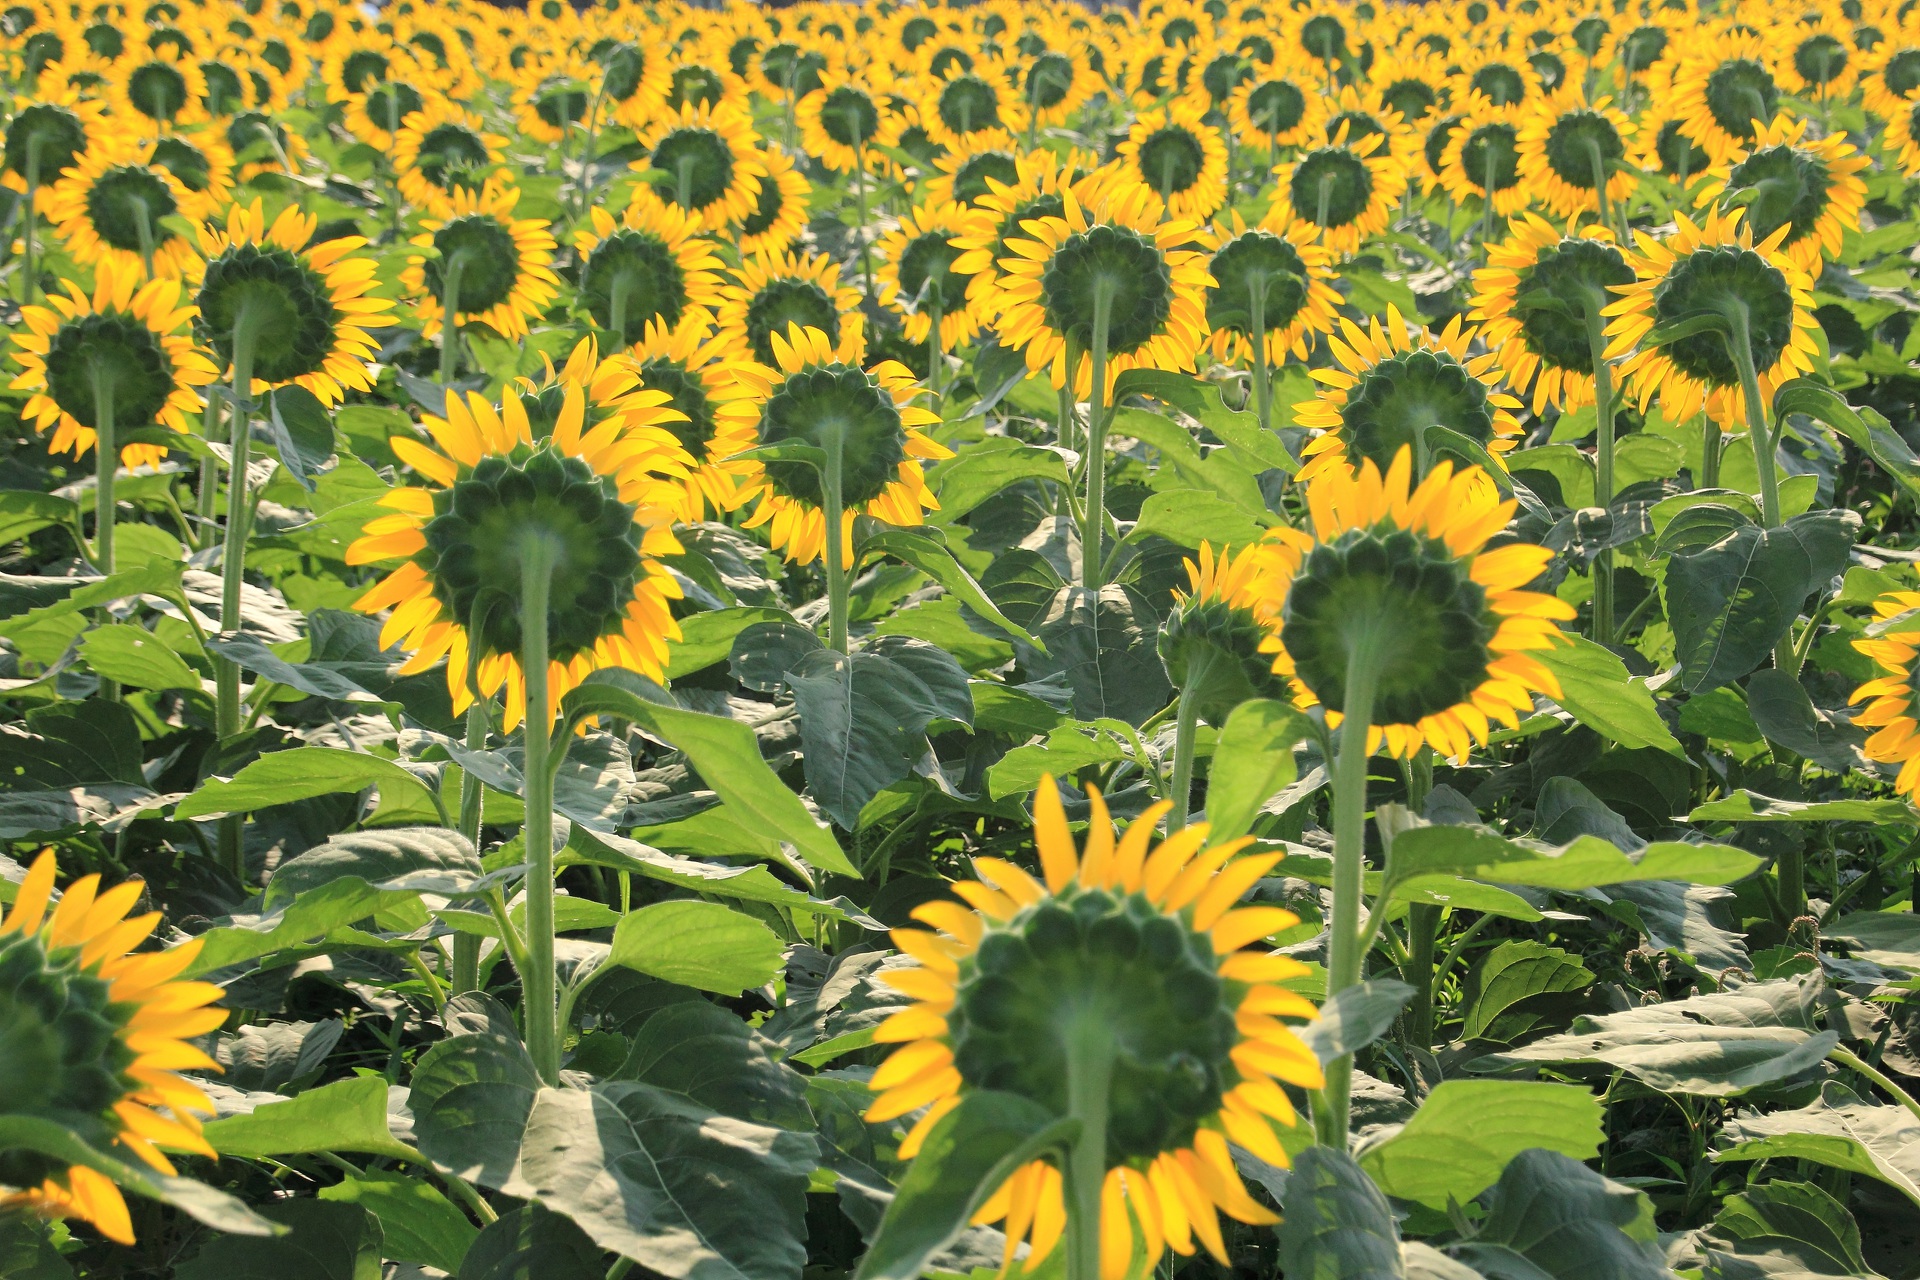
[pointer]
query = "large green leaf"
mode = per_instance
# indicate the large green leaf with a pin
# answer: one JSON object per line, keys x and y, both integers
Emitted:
{"x": 1552, "y": 1216}
{"x": 984, "y": 469}
{"x": 1518, "y": 972}
{"x": 1103, "y": 644}
{"x": 927, "y": 551}
{"x": 202, "y": 1203}
{"x": 346, "y": 1115}
{"x": 697, "y": 944}
{"x": 322, "y": 918}
{"x": 1782, "y": 710}
{"x": 27, "y": 1252}
{"x": 1750, "y": 806}
{"x": 396, "y": 859}
{"x": 1596, "y": 690}
{"x": 300, "y": 774}
{"x": 969, "y": 1153}
{"x": 1467, "y": 1130}
{"x": 1189, "y": 517}
{"x": 1730, "y": 603}
{"x": 531, "y": 1243}
{"x": 657, "y": 1178}
{"x": 1796, "y": 1223}
{"x": 471, "y": 1098}
{"x": 1838, "y": 1130}
{"x": 1335, "y": 1224}
{"x": 1865, "y": 427}
{"x": 1252, "y": 762}
{"x": 1580, "y": 864}
{"x": 1352, "y": 1019}
{"x": 712, "y": 1058}
{"x": 316, "y": 679}
{"x": 1718, "y": 1045}
{"x": 746, "y": 884}
{"x": 136, "y": 657}
{"x": 725, "y": 752}
{"x": 323, "y": 1242}
{"x": 1890, "y": 938}
{"x": 417, "y": 1222}
{"x": 1067, "y": 748}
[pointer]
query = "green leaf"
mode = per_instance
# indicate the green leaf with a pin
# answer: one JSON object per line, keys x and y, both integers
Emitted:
{"x": 1596, "y": 691}
{"x": 1583, "y": 863}
{"x": 1730, "y": 603}
{"x": 746, "y": 884}
{"x": 27, "y": 511}
{"x": 1467, "y": 1130}
{"x": 864, "y": 716}
{"x": 1890, "y": 938}
{"x": 1189, "y": 517}
{"x": 315, "y": 679}
{"x": 319, "y": 918}
{"x": 1352, "y": 1019}
{"x": 1751, "y": 806}
{"x": 930, "y": 556}
{"x": 707, "y": 638}
{"x": 1865, "y": 427}
{"x": 969, "y": 1153}
{"x": 1796, "y": 1219}
{"x": 302, "y": 432}
{"x": 396, "y": 859}
{"x": 697, "y": 944}
{"x": 1517, "y": 971}
{"x": 1716, "y": 1046}
{"x": 1068, "y": 748}
{"x": 1695, "y": 527}
{"x": 197, "y": 1200}
{"x": 531, "y": 1243}
{"x": 417, "y": 1222}
{"x": 1783, "y": 711}
{"x": 347, "y": 1115}
{"x": 300, "y": 774}
{"x": 470, "y": 1099}
{"x": 710, "y": 1057}
{"x": 152, "y": 578}
{"x": 1252, "y": 762}
{"x": 26, "y": 1252}
{"x": 1335, "y": 1224}
{"x": 1552, "y": 1216}
{"x": 981, "y": 470}
{"x": 276, "y": 1057}
{"x": 1838, "y": 1130}
{"x": 323, "y": 1242}
{"x": 1103, "y": 644}
{"x": 71, "y": 744}
{"x": 727, "y": 755}
{"x": 682, "y": 1191}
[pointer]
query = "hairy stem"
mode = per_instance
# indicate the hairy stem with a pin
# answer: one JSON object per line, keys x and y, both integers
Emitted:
{"x": 450, "y": 318}
{"x": 233, "y": 561}
{"x": 466, "y": 946}
{"x": 538, "y": 559}
{"x": 1602, "y": 463}
{"x": 1090, "y": 1052}
{"x": 1349, "y": 856}
{"x": 1094, "y": 521}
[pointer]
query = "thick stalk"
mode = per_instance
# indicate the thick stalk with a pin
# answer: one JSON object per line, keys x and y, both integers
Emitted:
{"x": 1599, "y": 179}
{"x": 1423, "y": 928}
{"x": 1486, "y": 213}
{"x": 586, "y": 154}
{"x": 860, "y": 201}
{"x": 538, "y": 558}
{"x": 1602, "y": 465}
{"x": 205, "y": 499}
{"x": 1089, "y": 1051}
{"x": 233, "y": 562}
{"x": 1709, "y": 452}
{"x": 831, "y": 475}
{"x": 466, "y": 946}
{"x": 933, "y": 348}
{"x": 30, "y": 216}
{"x": 450, "y": 318}
{"x": 1094, "y": 523}
{"x": 106, "y": 459}
{"x": 1349, "y": 857}
{"x": 1262, "y": 384}
{"x": 617, "y": 309}
{"x": 1760, "y": 433}
{"x": 683, "y": 183}
{"x": 1186, "y": 724}
{"x": 143, "y": 227}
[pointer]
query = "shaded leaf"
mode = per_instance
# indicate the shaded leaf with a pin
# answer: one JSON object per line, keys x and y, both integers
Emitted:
{"x": 697, "y": 944}
{"x": 1467, "y": 1131}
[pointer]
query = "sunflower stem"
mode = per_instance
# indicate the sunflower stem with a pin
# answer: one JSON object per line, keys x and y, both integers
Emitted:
{"x": 206, "y": 499}
{"x": 860, "y": 200}
{"x": 1423, "y": 919}
{"x": 233, "y": 561}
{"x": 143, "y": 227}
{"x": 1599, "y": 179}
{"x": 466, "y": 946}
{"x": 539, "y": 556}
{"x": 933, "y": 348}
{"x": 29, "y": 216}
{"x": 586, "y": 154}
{"x": 1709, "y": 452}
{"x": 1740, "y": 347}
{"x": 617, "y": 309}
{"x": 1186, "y": 724}
{"x": 832, "y": 487}
{"x": 1602, "y": 463}
{"x": 1262, "y": 384}
{"x": 1365, "y": 637}
{"x": 1486, "y": 212}
{"x": 1094, "y": 522}
{"x": 683, "y": 182}
{"x": 449, "y": 318}
{"x": 1852, "y": 1062}
{"x": 1090, "y": 1053}
{"x": 106, "y": 459}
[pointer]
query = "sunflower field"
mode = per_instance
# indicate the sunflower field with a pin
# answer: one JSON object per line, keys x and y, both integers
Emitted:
{"x": 1269, "y": 639}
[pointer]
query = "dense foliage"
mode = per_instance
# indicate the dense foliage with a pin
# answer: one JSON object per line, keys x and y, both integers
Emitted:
{"x": 1262, "y": 638}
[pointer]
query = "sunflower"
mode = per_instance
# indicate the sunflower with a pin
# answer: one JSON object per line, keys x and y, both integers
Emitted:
{"x": 309, "y": 302}
{"x": 1817, "y": 60}
{"x": 1433, "y": 152}
{"x": 649, "y": 266}
{"x": 1392, "y": 383}
{"x": 376, "y": 115}
{"x": 775, "y": 290}
{"x": 1412, "y": 85}
{"x": 1892, "y": 76}
{"x": 202, "y": 164}
{"x": 553, "y": 94}
{"x": 780, "y": 210}
{"x": 1664, "y": 148}
{"x": 634, "y": 78}
{"x": 1810, "y": 186}
{"x": 1902, "y": 139}
{"x": 1356, "y": 120}
{"x": 159, "y": 86}
{"x": 1894, "y": 646}
{"x": 994, "y": 219}
{"x": 1534, "y": 296}
{"x": 97, "y": 1033}
{"x": 844, "y": 123}
{"x": 961, "y": 176}
{"x": 1292, "y": 276}
{"x": 1120, "y": 245}
{"x": 440, "y": 147}
{"x": 965, "y": 103}
{"x": 1450, "y": 628}
{"x": 1212, "y": 641}
{"x": 1724, "y": 93}
{"x": 1053, "y": 84}
{"x": 1277, "y": 105}
{"x": 130, "y": 341}
{"x": 583, "y": 458}
{"x": 1177, "y": 153}
{"x": 918, "y": 279}
{"x": 112, "y": 207}
{"x": 880, "y": 439}
{"x": 1717, "y": 267}
{"x": 1345, "y": 192}
{"x": 496, "y": 266}
{"x": 1495, "y": 78}
{"x": 706, "y": 82}
{"x": 704, "y": 160}
{"x": 1639, "y": 49}
{"x": 1126, "y": 959}
{"x": 1574, "y": 154}
{"x": 701, "y": 376}
{"x": 1482, "y": 161}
